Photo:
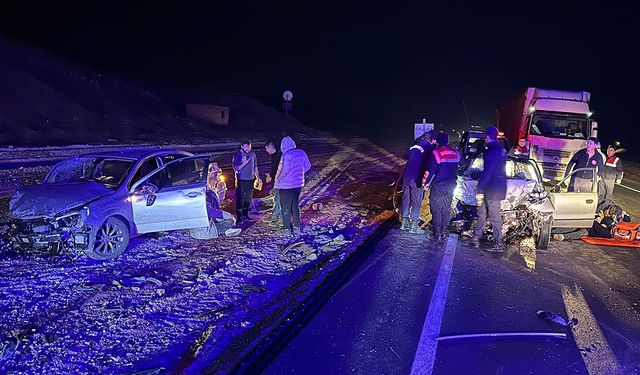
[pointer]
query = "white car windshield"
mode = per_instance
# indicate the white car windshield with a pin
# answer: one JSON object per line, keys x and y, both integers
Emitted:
{"x": 109, "y": 172}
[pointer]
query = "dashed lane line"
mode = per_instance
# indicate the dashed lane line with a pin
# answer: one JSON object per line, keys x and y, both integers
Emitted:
{"x": 426, "y": 352}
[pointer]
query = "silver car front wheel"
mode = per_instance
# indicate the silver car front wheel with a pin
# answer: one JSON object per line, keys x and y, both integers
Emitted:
{"x": 110, "y": 240}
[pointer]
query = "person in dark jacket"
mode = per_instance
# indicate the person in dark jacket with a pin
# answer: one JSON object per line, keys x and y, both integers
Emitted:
{"x": 276, "y": 215}
{"x": 412, "y": 184}
{"x": 613, "y": 173}
{"x": 492, "y": 188}
{"x": 588, "y": 157}
{"x": 245, "y": 164}
{"x": 441, "y": 178}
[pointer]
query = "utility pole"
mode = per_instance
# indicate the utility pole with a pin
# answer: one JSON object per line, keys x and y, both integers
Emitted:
{"x": 465, "y": 113}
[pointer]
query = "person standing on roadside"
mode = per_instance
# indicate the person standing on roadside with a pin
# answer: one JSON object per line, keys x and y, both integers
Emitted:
{"x": 588, "y": 157}
{"x": 492, "y": 188}
{"x": 412, "y": 183}
{"x": 441, "y": 178}
{"x": 613, "y": 173}
{"x": 276, "y": 216}
{"x": 289, "y": 181}
{"x": 245, "y": 165}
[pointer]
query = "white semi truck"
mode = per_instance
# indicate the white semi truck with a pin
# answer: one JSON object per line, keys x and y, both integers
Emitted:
{"x": 555, "y": 123}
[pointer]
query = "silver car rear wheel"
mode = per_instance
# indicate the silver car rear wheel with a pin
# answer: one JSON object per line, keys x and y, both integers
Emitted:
{"x": 111, "y": 240}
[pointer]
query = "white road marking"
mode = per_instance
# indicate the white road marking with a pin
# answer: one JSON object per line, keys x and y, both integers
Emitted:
{"x": 505, "y": 334}
{"x": 426, "y": 352}
{"x": 630, "y": 188}
{"x": 597, "y": 356}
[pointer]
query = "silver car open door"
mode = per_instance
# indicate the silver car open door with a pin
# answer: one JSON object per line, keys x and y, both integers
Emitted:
{"x": 572, "y": 209}
{"x": 172, "y": 197}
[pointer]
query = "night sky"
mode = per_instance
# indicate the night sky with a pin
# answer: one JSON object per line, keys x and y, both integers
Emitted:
{"x": 376, "y": 67}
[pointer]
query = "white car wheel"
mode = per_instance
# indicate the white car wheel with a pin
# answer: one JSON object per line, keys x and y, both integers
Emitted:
{"x": 110, "y": 240}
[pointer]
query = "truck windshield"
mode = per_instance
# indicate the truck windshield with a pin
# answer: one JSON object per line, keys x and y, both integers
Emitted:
{"x": 560, "y": 125}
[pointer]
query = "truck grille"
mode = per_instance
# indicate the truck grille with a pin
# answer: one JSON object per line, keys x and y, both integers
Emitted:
{"x": 553, "y": 167}
{"x": 558, "y": 153}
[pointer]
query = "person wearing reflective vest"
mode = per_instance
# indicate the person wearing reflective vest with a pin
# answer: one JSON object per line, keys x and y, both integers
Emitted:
{"x": 412, "y": 184}
{"x": 521, "y": 150}
{"x": 440, "y": 178}
{"x": 613, "y": 173}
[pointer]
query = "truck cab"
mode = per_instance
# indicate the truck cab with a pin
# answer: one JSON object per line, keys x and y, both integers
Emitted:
{"x": 555, "y": 124}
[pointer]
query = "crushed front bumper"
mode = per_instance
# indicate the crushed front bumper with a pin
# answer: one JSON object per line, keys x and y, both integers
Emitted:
{"x": 61, "y": 240}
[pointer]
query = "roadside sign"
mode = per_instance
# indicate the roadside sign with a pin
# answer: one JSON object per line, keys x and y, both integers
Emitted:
{"x": 287, "y": 96}
{"x": 420, "y": 128}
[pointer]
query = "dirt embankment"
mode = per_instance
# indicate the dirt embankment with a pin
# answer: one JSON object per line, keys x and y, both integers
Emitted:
{"x": 45, "y": 100}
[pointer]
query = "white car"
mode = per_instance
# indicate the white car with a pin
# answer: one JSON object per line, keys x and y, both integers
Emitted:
{"x": 95, "y": 203}
{"x": 528, "y": 208}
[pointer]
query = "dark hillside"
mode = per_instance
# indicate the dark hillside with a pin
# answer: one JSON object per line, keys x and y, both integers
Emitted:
{"x": 45, "y": 100}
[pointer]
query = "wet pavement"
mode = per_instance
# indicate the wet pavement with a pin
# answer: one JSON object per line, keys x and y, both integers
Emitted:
{"x": 378, "y": 320}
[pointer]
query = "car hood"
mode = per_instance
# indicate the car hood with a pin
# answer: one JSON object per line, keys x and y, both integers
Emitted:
{"x": 49, "y": 200}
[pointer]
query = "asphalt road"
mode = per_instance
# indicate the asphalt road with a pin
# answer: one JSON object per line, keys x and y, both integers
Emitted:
{"x": 386, "y": 319}
{"x": 627, "y": 195}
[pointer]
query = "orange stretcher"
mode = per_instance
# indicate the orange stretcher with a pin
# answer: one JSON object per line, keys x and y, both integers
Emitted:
{"x": 623, "y": 235}
{"x": 611, "y": 242}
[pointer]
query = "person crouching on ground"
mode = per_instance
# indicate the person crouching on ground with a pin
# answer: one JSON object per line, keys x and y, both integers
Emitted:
{"x": 245, "y": 164}
{"x": 412, "y": 184}
{"x": 289, "y": 182}
{"x": 442, "y": 175}
{"x": 276, "y": 216}
{"x": 492, "y": 188}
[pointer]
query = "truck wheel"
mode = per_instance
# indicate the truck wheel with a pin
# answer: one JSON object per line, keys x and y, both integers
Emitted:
{"x": 110, "y": 240}
{"x": 545, "y": 233}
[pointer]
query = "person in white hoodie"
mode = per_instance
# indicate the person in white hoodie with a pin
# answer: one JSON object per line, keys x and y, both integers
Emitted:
{"x": 289, "y": 181}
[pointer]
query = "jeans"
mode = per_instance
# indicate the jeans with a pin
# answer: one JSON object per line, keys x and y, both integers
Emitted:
{"x": 290, "y": 205}
{"x": 411, "y": 201}
{"x": 490, "y": 211}
{"x": 244, "y": 195}
{"x": 277, "y": 209}
{"x": 582, "y": 185}
{"x": 610, "y": 184}
{"x": 440, "y": 204}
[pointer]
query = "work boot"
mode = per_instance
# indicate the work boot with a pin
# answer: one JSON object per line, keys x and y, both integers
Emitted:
{"x": 495, "y": 247}
{"x": 415, "y": 228}
{"x": 283, "y": 232}
{"x": 444, "y": 233}
{"x": 295, "y": 231}
{"x": 434, "y": 236}
{"x": 276, "y": 224}
{"x": 405, "y": 224}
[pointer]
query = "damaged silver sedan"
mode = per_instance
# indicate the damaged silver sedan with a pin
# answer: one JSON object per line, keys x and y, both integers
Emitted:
{"x": 95, "y": 203}
{"x": 529, "y": 209}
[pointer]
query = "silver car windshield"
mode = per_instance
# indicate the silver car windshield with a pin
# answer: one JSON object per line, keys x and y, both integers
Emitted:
{"x": 519, "y": 169}
{"x": 109, "y": 172}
